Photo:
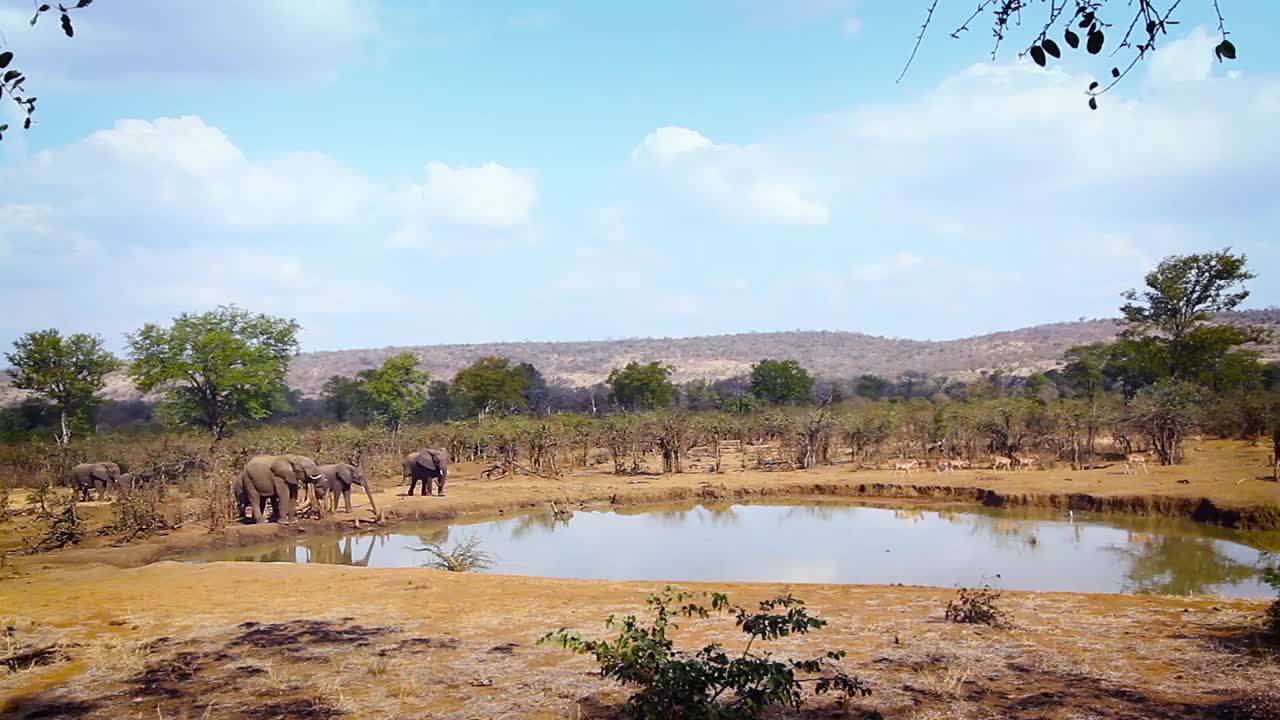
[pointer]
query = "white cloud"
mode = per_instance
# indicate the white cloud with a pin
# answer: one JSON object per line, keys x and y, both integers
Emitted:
{"x": 851, "y": 27}
{"x": 891, "y": 268}
{"x": 740, "y": 182}
{"x": 155, "y": 39}
{"x": 488, "y": 197}
{"x": 1187, "y": 59}
{"x": 167, "y": 215}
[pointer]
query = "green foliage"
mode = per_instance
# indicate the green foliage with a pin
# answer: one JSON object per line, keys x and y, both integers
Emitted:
{"x": 68, "y": 372}
{"x": 872, "y": 387}
{"x": 1182, "y": 293}
{"x": 712, "y": 683}
{"x": 217, "y": 369}
{"x": 641, "y": 386}
{"x": 1166, "y": 412}
{"x": 491, "y": 385}
{"x": 1271, "y": 576}
{"x": 977, "y": 606}
{"x": 394, "y": 392}
{"x": 781, "y": 382}
{"x": 342, "y": 397}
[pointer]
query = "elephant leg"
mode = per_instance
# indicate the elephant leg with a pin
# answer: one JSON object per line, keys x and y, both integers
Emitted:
{"x": 257, "y": 503}
{"x": 287, "y": 496}
{"x": 440, "y": 484}
{"x": 346, "y": 498}
{"x": 426, "y": 485}
{"x": 413, "y": 481}
{"x": 102, "y": 492}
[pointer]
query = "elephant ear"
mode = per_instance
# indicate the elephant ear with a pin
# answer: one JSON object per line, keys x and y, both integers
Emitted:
{"x": 101, "y": 474}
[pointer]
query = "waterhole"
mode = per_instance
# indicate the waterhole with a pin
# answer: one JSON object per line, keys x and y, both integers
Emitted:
{"x": 829, "y": 543}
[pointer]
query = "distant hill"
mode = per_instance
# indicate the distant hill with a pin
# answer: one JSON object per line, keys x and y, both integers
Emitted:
{"x": 827, "y": 354}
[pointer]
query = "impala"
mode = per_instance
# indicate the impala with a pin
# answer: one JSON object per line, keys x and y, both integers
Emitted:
{"x": 1132, "y": 462}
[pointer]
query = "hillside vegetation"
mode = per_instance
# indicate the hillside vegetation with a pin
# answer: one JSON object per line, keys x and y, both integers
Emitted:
{"x": 825, "y": 354}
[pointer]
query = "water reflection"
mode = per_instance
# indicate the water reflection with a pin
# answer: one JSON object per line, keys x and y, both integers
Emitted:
{"x": 829, "y": 542}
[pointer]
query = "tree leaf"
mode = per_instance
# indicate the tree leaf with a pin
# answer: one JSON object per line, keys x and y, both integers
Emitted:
{"x": 66, "y": 25}
{"x": 1072, "y": 39}
{"x": 1115, "y": 72}
{"x": 5, "y": 58}
{"x": 1095, "y": 42}
{"x": 1093, "y": 85}
{"x": 1086, "y": 20}
{"x": 1227, "y": 50}
{"x": 44, "y": 7}
{"x": 11, "y": 75}
{"x": 84, "y": 3}
{"x": 1037, "y": 54}
{"x": 4, "y": 127}
{"x": 1093, "y": 103}
{"x": 26, "y": 124}
{"x": 1051, "y": 47}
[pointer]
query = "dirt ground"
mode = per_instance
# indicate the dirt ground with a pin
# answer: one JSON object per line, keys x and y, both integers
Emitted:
{"x": 126, "y": 639}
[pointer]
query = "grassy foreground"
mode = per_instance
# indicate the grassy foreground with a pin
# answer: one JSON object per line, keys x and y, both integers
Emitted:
{"x": 126, "y": 639}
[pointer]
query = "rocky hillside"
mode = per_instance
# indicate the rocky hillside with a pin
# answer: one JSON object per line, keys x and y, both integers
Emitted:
{"x": 829, "y": 354}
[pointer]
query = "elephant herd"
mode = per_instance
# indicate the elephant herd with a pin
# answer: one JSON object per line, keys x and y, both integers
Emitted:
{"x": 281, "y": 478}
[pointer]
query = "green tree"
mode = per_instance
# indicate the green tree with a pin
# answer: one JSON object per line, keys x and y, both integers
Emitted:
{"x": 641, "y": 387}
{"x": 67, "y": 372}
{"x": 342, "y": 397}
{"x": 872, "y": 387}
{"x": 217, "y": 369}
{"x": 440, "y": 401}
{"x": 1166, "y": 412}
{"x": 781, "y": 382}
{"x": 1182, "y": 294}
{"x": 491, "y": 385}
{"x": 396, "y": 391}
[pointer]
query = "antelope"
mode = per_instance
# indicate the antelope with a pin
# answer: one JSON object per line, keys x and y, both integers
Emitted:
{"x": 1028, "y": 462}
{"x": 999, "y": 462}
{"x": 905, "y": 467}
{"x": 1135, "y": 460}
{"x": 952, "y": 465}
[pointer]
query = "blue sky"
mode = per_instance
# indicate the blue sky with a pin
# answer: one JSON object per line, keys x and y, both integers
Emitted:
{"x": 419, "y": 172}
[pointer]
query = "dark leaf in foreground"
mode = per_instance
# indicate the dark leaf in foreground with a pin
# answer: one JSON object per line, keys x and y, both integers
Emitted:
{"x": 1051, "y": 47}
{"x": 1037, "y": 54}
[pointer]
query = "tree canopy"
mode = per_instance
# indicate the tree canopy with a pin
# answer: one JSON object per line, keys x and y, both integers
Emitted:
{"x": 395, "y": 391}
{"x": 639, "y": 386}
{"x": 69, "y": 372}
{"x": 216, "y": 369}
{"x": 492, "y": 385}
{"x": 781, "y": 382}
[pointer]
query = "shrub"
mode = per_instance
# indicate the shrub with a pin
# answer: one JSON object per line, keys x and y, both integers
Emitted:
{"x": 464, "y": 556}
{"x": 977, "y": 606}
{"x": 65, "y": 526}
{"x": 711, "y": 684}
{"x": 136, "y": 512}
{"x": 1272, "y": 577}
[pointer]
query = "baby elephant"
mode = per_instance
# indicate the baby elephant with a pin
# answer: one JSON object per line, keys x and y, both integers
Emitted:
{"x": 337, "y": 480}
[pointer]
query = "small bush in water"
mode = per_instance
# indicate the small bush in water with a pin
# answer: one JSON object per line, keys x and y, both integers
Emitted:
{"x": 465, "y": 556}
{"x": 711, "y": 684}
{"x": 977, "y": 606}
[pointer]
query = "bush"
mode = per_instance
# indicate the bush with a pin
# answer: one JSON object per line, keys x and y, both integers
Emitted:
{"x": 1272, "y": 619}
{"x": 65, "y": 526}
{"x": 464, "y": 556}
{"x": 977, "y": 606}
{"x": 136, "y": 512}
{"x": 711, "y": 684}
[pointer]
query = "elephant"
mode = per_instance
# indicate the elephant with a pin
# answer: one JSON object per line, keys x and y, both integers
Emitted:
{"x": 99, "y": 476}
{"x": 425, "y": 465}
{"x": 338, "y": 480}
{"x": 277, "y": 477}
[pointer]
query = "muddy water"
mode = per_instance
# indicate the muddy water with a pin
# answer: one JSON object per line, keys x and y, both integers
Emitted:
{"x": 830, "y": 543}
